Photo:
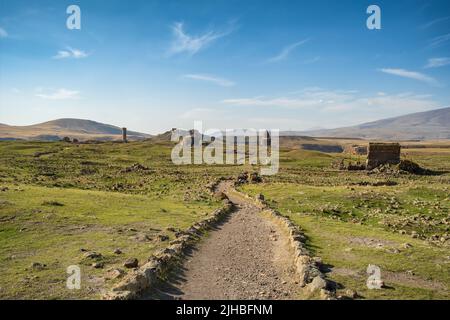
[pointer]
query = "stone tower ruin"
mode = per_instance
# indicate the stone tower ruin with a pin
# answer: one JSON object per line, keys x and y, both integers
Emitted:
{"x": 382, "y": 153}
{"x": 124, "y": 135}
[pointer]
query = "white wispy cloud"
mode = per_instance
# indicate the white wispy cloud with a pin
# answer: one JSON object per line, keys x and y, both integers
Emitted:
{"x": 409, "y": 102}
{"x": 410, "y": 75}
{"x": 317, "y": 99}
{"x": 286, "y": 51}
{"x": 208, "y": 78}
{"x": 310, "y": 107}
{"x": 438, "y": 41}
{"x": 306, "y": 98}
{"x": 272, "y": 102}
{"x": 433, "y": 22}
{"x": 60, "y": 94}
{"x": 191, "y": 44}
{"x": 200, "y": 113}
{"x": 3, "y": 33}
{"x": 70, "y": 53}
{"x": 437, "y": 62}
{"x": 312, "y": 60}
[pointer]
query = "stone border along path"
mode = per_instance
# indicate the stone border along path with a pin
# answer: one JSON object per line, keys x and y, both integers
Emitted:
{"x": 251, "y": 252}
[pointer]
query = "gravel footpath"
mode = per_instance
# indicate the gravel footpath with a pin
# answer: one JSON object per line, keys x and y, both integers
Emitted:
{"x": 246, "y": 257}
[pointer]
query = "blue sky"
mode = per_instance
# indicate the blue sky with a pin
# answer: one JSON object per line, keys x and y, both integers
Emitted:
{"x": 154, "y": 65}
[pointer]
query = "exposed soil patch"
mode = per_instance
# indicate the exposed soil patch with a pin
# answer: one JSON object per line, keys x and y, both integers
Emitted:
{"x": 371, "y": 242}
{"x": 407, "y": 278}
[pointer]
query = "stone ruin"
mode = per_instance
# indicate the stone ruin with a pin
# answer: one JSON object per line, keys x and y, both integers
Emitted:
{"x": 124, "y": 135}
{"x": 382, "y": 153}
{"x": 356, "y": 150}
{"x": 380, "y": 156}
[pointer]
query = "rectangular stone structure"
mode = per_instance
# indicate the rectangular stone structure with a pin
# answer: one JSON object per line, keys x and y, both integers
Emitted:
{"x": 124, "y": 135}
{"x": 382, "y": 153}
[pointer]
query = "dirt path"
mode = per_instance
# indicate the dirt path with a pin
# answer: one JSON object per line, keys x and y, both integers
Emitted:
{"x": 247, "y": 257}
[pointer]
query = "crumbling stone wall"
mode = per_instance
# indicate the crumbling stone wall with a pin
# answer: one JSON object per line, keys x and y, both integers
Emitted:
{"x": 382, "y": 153}
{"x": 356, "y": 150}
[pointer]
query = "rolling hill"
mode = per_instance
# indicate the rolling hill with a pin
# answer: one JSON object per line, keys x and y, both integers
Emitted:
{"x": 73, "y": 128}
{"x": 428, "y": 125}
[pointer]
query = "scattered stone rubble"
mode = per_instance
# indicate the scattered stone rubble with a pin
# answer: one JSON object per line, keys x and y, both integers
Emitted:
{"x": 137, "y": 167}
{"x": 412, "y": 167}
{"x": 248, "y": 177}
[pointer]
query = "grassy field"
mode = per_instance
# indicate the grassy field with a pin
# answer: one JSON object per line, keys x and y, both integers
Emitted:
{"x": 399, "y": 222}
{"x": 62, "y": 201}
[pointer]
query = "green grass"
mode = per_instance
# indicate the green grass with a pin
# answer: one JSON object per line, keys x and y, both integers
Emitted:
{"x": 408, "y": 208}
{"x": 342, "y": 211}
{"x": 340, "y": 235}
{"x": 59, "y": 197}
{"x": 52, "y": 225}
{"x": 340, "y": 245}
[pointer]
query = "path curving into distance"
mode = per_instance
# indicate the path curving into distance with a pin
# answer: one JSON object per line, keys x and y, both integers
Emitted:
{"x": 245, "y": 257}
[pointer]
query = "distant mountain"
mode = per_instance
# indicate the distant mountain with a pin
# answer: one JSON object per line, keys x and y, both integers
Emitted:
{"x": 72, "y": 128}
{"x": 428, "y": 125}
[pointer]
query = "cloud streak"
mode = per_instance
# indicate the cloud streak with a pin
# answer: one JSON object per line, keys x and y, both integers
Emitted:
{"x": 439, "y": 41}
{"x": 437, "y": 62}
{"x": 190, "y": 44}
{"x": 70, "y": 53}
{"x": 433, "y": 22}
{"x": 208, "y": 78}
{"x": 3, "y": 33}
{"x": 410, "y": 75}
{"x": 312, "y": 60}
{"x": 272, "y": 102}
{"x": 317, "y": 99}
{"x": 286, "y": 51}
{"x": 60, "y": 94}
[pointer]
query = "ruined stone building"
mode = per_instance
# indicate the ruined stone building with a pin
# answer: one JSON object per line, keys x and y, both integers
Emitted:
{"x": 356, "y": 150}
{"x": 382, "y": 153}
